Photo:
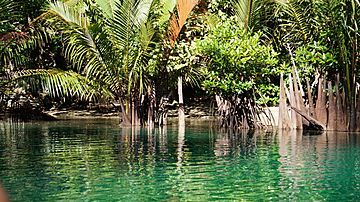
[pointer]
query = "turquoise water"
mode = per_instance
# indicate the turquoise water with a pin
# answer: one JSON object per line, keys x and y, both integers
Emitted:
{"x": 99, "y": 161}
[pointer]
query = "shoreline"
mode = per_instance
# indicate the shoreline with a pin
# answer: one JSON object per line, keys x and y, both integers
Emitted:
{"x": 94, "y": 114}
{"x": 194, "y": 113}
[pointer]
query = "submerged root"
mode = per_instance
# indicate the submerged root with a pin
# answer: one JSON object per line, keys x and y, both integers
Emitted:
{"x": 240, "y": 112}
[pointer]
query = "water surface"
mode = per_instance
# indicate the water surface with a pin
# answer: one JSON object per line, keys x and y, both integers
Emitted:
{"x": 99, "y": 161}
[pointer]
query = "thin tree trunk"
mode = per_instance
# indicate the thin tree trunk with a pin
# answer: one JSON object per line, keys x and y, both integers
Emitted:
{"x": 352, "y": 121}
{"x": 296, "y": 75}
{"x": 284, "y": 119}
{"x": 132, "y": 113}
{"x": 151, "y": 107}
{"x": 294, "y": 116}
{"x": 181, "y": 112}
{"x": 123, "y": 114}
{"x": 340, "y": 114}
{"x": 164, "y": 119}
{"x": 163, "y": 111}
{"x": 310, "y": 98}
{"x": 358, "y": 110}
{"x": 298, "y": 100}
{"x": 136, "y": 113}
{"x": 320, "y": 109}
{"x": 331, "y": 125}
{"x": 222, "y": 110}
{"x": 352, "y": 118}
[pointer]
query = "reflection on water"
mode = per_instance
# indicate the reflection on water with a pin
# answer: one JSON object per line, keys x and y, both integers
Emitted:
{"x": 98, "y": 160}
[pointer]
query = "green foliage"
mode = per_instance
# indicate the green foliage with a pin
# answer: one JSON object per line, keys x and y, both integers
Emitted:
{"x": 314, "y": 57}
{"x": 222, "y": 8}
{"x": 59, "y": 83}
{"x": 121, "y": 44}
{"x": 239, "y": 64}
{"x": 184, "y": 63}
{"x": 109, "y": 43}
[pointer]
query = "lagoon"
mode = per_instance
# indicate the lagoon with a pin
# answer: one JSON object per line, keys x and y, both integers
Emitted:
{"x": 97, "y": 160}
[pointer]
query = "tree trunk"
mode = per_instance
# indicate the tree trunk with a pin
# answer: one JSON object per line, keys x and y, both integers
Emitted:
{"x": 352, "y": 118}
{"x": 299, "y": 99}
{"x": 132, "y": 113}
{"x": 311, "y": 120}
{"x": 295, "y": 117}
{"x": 331, "y": 125}
{"x": 137, "y": 121}
{"x": 123, "y": 114}
{"x": 340, "y": 112}
{"x": 358, "y": 111}
{"x": 181, "y": 112}
{"x": 284, "y": 119}
{"x": 352, "y": 93}
{"x": 310, "y": 98}
{"x": 163, "y": 111}
{"x": 222, "y": 110}
{"x": 151, "y": 107}
{"x": 320, "y": 108}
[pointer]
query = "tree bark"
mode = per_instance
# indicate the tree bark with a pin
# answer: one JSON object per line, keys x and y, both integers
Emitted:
{"x": 352, "y": 93}
{"x": 331, "y": 125}
{"x": 299, "y": 99}
{"x": 181, "y": 113}
{"x": 313, "y": 121}
{"x": 358, "y": 111}
{"x": 310, "y": 98}
{"x": 123, "y": 114}
{"x": 284, "y": 119}
{"x": 352, "y": 121}
{"x": 340, "y": 112}
{"x": 320, "y": 109}
{"x": 295, "y": 117}
{"x": 151, "y": 107}
{"x": 132, "y": 113}
{"x": 163, "y": 111}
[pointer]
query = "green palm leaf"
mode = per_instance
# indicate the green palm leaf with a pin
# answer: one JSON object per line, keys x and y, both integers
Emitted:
{"x": 59, "y": 83}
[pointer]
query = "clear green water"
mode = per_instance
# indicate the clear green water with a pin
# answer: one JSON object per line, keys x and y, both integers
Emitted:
{"x": 98, "y": 161}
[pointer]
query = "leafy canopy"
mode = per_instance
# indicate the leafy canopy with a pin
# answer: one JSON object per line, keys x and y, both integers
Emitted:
{"x": 239, "y": 64}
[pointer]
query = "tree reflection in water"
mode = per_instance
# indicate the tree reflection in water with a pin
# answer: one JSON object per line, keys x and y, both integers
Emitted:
{"x": 94, "y": 160}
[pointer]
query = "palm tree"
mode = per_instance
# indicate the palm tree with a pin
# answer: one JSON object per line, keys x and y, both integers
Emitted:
{"x": 109, "y": 43}
{"x": 177, "y": 21}
{"x": 110, "y": 46}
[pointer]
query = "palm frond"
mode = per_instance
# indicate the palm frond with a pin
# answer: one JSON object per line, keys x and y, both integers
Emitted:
{"x": 166, "y": 8}
{"x": 128, "y": 18}
{"x": 212, "y": 21}
{"x": 178, "y": 18}
{"x": 80, "y": 37}
{"x": 296, "y": 24}
{"x": 59, "y": 83}
{"x": 7, "y": 7}
{"x": 243, "y": 10}
{"x": 15, "y": 46}
{"x": 67, "y": 14}
{"x": 108, "y": 6}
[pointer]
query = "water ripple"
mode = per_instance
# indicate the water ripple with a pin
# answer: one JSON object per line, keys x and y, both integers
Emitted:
{"x": 98, "y": 161}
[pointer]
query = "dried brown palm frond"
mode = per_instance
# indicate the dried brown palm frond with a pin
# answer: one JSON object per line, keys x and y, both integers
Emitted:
{"x": 179, "y": 17}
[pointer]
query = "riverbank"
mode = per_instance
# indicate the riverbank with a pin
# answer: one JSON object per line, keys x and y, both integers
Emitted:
{"x": 196, "y": 110}
{"x": 198, "y": 113}
{"x": 193, "y": 112}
